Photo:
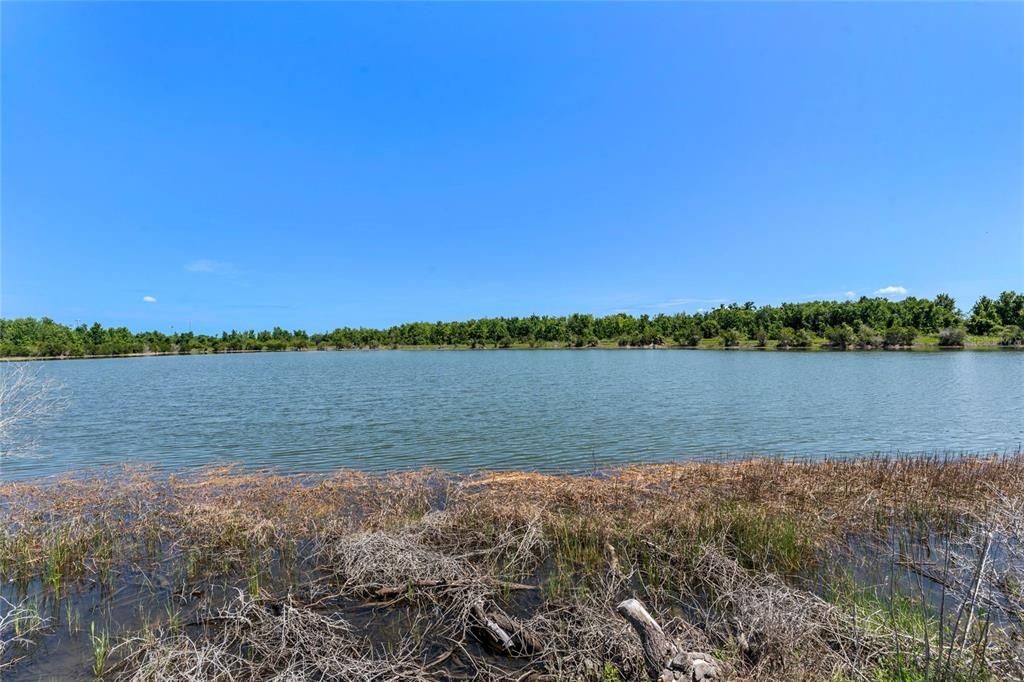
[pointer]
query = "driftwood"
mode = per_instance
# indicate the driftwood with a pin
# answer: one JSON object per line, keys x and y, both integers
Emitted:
{"x": 504, "y": 632}
{"x": 394, "y": 591}
{"x": 665, "y": 659}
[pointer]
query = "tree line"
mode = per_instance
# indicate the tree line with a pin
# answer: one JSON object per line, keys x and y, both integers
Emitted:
{"x": 865, "y": 323}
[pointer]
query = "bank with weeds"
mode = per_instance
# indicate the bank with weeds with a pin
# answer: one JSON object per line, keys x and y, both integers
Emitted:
{"x": 879, "y": 569}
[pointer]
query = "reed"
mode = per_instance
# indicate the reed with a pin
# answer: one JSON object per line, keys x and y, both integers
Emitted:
{"x": 886, "y": 568}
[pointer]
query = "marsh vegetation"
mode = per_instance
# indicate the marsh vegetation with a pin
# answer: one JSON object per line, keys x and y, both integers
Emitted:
{"x": 880, "y": 569}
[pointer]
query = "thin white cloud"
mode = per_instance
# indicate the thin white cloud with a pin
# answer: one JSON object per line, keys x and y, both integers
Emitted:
{"x": 149, "y": 299}
{"x": 668, "y": 304}
{"x": 676, "y": 302}
{"x": 851, "y": 294}
{"x": 205, "y": 265}
{"x": 891, "y": 290}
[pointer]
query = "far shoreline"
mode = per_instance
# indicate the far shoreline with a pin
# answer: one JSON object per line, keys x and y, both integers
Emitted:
{"x": 916, "y": 348}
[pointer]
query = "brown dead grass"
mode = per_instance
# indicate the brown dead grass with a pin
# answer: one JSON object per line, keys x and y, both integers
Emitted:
{"x": 444, "y": 543}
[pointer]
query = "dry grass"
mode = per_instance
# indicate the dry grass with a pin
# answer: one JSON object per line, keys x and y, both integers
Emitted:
{"x": 410, "y": 575}
{"x": 254, "y": 639}
{"x": 19, "y": 623}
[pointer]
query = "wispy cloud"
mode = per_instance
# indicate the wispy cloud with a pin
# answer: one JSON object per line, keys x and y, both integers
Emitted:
{"x": 149, "y": 299}
{"x": 258, "y": 306}
{"x": 891, "y": 290}
{"x": 205, "y": 265}
{"x": 670, "y": 303}
{"x": 677, "y": 302}
{"x": 851, "y": 294}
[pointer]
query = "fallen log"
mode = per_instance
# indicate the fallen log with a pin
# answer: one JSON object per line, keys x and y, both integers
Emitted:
{"x": 665, "y": 659}
{"x": 525, "y": 641}
{"x": 393, "y": 591}
{"x": 505, "y": 633}
{"x": 498, "y": 634}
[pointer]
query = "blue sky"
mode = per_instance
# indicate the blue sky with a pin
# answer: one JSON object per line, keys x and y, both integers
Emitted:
{"x": 316, "y": 165}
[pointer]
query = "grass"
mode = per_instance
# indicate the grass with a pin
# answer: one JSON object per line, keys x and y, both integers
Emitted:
{"x": 794, "y": 569}
{"x": 101, "y": 645}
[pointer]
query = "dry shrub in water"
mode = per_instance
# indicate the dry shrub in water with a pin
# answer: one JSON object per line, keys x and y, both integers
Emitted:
{"x": 257, "y": 639}
{"x": 18, "y": 624}
{"x": 26, "y": 397}
{"x": 584, "y": 635}
{"x": 365, "y": 563}
{"x": 778, "y": 629}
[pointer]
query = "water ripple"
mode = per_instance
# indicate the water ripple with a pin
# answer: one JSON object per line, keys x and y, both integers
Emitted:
{"x": 549, "y": 411}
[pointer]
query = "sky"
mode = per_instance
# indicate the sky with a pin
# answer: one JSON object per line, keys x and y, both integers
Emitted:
{"x": 323, "y": 164}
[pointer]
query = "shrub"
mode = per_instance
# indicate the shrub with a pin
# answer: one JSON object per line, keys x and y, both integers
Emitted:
{"x": 1012, "y": 336}
{"x": 787, "y": 338}
{"x": 867, "y": 337}
{"x": 952, "y": 336}
{"x": 899, "y": 337}
{"x": 761, "y": 336}
{"x": 840, "y": 336}
{"x": 710, "y": 328}
{"x": 731, "y": 337}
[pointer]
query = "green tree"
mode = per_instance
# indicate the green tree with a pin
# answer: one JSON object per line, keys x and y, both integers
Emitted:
{"x": 984, "y": 317}
{"x": 841, "y": 336}
{"x": 1009, "y": 308}
{"x": 731, "y": 337}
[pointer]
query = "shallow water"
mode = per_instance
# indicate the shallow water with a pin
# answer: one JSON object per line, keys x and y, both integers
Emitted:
{"x": 545, "y": 410}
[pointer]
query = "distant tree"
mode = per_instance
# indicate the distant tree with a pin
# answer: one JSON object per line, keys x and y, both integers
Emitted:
{"x": 793, "y": 324}
{"x": 947, "y": 303}
{"x": 787, "y": 338}
{"x": 710, "y": 328}
{"x": 984, "y": 317}
{"x": 841, "y": 336}
{"x": 802, "y": 339}
{"x": 761, "y": 336}
{"x": 731, "y": 337}
{"x": 1009, "y": 307}
{"x": 899, "y": 337}
{"x": 867, "y": 337}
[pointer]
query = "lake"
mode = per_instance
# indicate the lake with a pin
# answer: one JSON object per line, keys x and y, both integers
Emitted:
{"x": 543, "y": 410}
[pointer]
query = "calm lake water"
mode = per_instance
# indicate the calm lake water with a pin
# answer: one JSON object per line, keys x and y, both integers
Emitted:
{"x": 546, "y": 410}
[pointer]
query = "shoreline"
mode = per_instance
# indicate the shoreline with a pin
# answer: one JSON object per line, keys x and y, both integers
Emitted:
{"x": 916, "y": 348}
{"x": 767, "y": 569}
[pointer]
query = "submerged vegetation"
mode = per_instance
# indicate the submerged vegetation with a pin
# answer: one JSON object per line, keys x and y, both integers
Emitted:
{"x": 868, "y": 323}
{"x": 881, "y": 569}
